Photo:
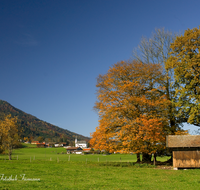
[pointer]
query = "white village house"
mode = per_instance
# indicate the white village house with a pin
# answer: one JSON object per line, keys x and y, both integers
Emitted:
{"x": 81, "y": 144}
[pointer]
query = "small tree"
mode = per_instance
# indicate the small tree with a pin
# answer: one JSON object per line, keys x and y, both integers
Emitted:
{"x": 9, "y": 134}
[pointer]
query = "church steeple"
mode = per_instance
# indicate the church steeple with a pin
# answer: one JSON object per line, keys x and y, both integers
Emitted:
{"x": 75, "y": 141}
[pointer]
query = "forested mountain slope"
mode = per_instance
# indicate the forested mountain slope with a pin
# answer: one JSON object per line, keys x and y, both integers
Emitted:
{"x": 33, "y": 127}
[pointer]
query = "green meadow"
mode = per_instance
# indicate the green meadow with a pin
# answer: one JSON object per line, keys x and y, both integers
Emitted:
{"x": 51, "y": 168}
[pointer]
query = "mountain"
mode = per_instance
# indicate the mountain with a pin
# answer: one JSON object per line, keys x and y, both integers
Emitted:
{"x": 33, "y": 127}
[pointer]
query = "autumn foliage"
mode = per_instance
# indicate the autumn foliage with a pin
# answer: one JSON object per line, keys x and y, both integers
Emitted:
{"x": 132, "y": 108}
{"x": 8, "y": 134}
{"x": 185, "y": 61}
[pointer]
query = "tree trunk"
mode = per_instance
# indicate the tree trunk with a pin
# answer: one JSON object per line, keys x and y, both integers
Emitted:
{"x": 138, "y": 157}
{"x": 154, "y": 158}
{"x": 10, "y": 153}
{"x": 146, "y": 157}
{"x": 171, "y": 159}
{"x": 10, "y": 158}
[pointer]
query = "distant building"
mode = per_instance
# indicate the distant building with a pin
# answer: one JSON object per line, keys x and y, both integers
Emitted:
{"x": 41, "y": 145}
{"x": 74, "y": 150}
{"x": 34, "y": 142}
{"x": 50, "y": 144}
{"x": 61, "y": 144}
{"x": 81, "y": 144}
{"x": 87, "y": 150}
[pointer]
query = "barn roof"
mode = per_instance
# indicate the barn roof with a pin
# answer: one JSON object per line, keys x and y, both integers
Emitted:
{"x": 176, "y": 141}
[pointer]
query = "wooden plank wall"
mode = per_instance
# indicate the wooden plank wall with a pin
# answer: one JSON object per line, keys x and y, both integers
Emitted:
{"x": 186, "y": 159}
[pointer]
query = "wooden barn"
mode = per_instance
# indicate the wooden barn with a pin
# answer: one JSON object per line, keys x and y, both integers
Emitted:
{"x": 186, "y": 150}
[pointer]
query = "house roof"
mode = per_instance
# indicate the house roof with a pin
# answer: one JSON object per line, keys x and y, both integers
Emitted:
{"x": 177, "y": 141}
{"x": 41, "y": 143}
{"x": 87, "y": 149}
{"x": 74, "y": 148}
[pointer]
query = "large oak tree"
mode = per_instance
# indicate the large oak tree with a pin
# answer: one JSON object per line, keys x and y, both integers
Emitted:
{"x": 132, "y": 106}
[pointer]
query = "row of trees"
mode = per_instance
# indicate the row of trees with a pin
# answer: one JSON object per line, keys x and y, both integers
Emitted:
{"x": 142, "y": 101}
{"x": 47, "y": 140}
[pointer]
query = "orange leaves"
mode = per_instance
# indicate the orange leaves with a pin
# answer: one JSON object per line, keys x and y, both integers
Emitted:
{"x": 132, "y": 108}
{"x": 182, "y": 132}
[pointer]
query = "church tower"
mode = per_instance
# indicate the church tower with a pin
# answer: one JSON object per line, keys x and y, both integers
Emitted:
{"x": 76, "y": 141}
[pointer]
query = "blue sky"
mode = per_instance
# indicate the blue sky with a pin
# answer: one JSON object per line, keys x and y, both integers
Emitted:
{"x": 51, "y": 52}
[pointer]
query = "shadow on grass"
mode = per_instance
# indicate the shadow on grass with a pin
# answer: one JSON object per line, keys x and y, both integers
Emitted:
{"x": 137, "y": 164}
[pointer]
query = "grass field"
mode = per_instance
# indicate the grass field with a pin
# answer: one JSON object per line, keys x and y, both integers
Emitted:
{"x": 46, "y": 154}
{"x": 31, "y": 168}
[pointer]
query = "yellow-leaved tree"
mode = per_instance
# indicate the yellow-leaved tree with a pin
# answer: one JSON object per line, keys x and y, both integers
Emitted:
{"x": 132, "y": 107}
{"x": 8, "y": 134}
{"x": 185, "y": 61}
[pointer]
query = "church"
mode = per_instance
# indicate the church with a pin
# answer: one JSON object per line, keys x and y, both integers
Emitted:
{"x": 81, "y": 144}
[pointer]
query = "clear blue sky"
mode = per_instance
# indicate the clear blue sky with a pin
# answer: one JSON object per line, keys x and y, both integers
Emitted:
{"x": 52, "y": 51}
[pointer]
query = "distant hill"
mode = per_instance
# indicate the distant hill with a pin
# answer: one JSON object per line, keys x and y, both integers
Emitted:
{"x": 33, "y": 127}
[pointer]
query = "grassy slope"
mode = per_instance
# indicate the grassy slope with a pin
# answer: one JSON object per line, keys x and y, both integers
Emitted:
{"x": 79, "y": 174}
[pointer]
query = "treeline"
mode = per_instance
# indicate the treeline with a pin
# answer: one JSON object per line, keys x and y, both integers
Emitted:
{"x": 141, "y": 101}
